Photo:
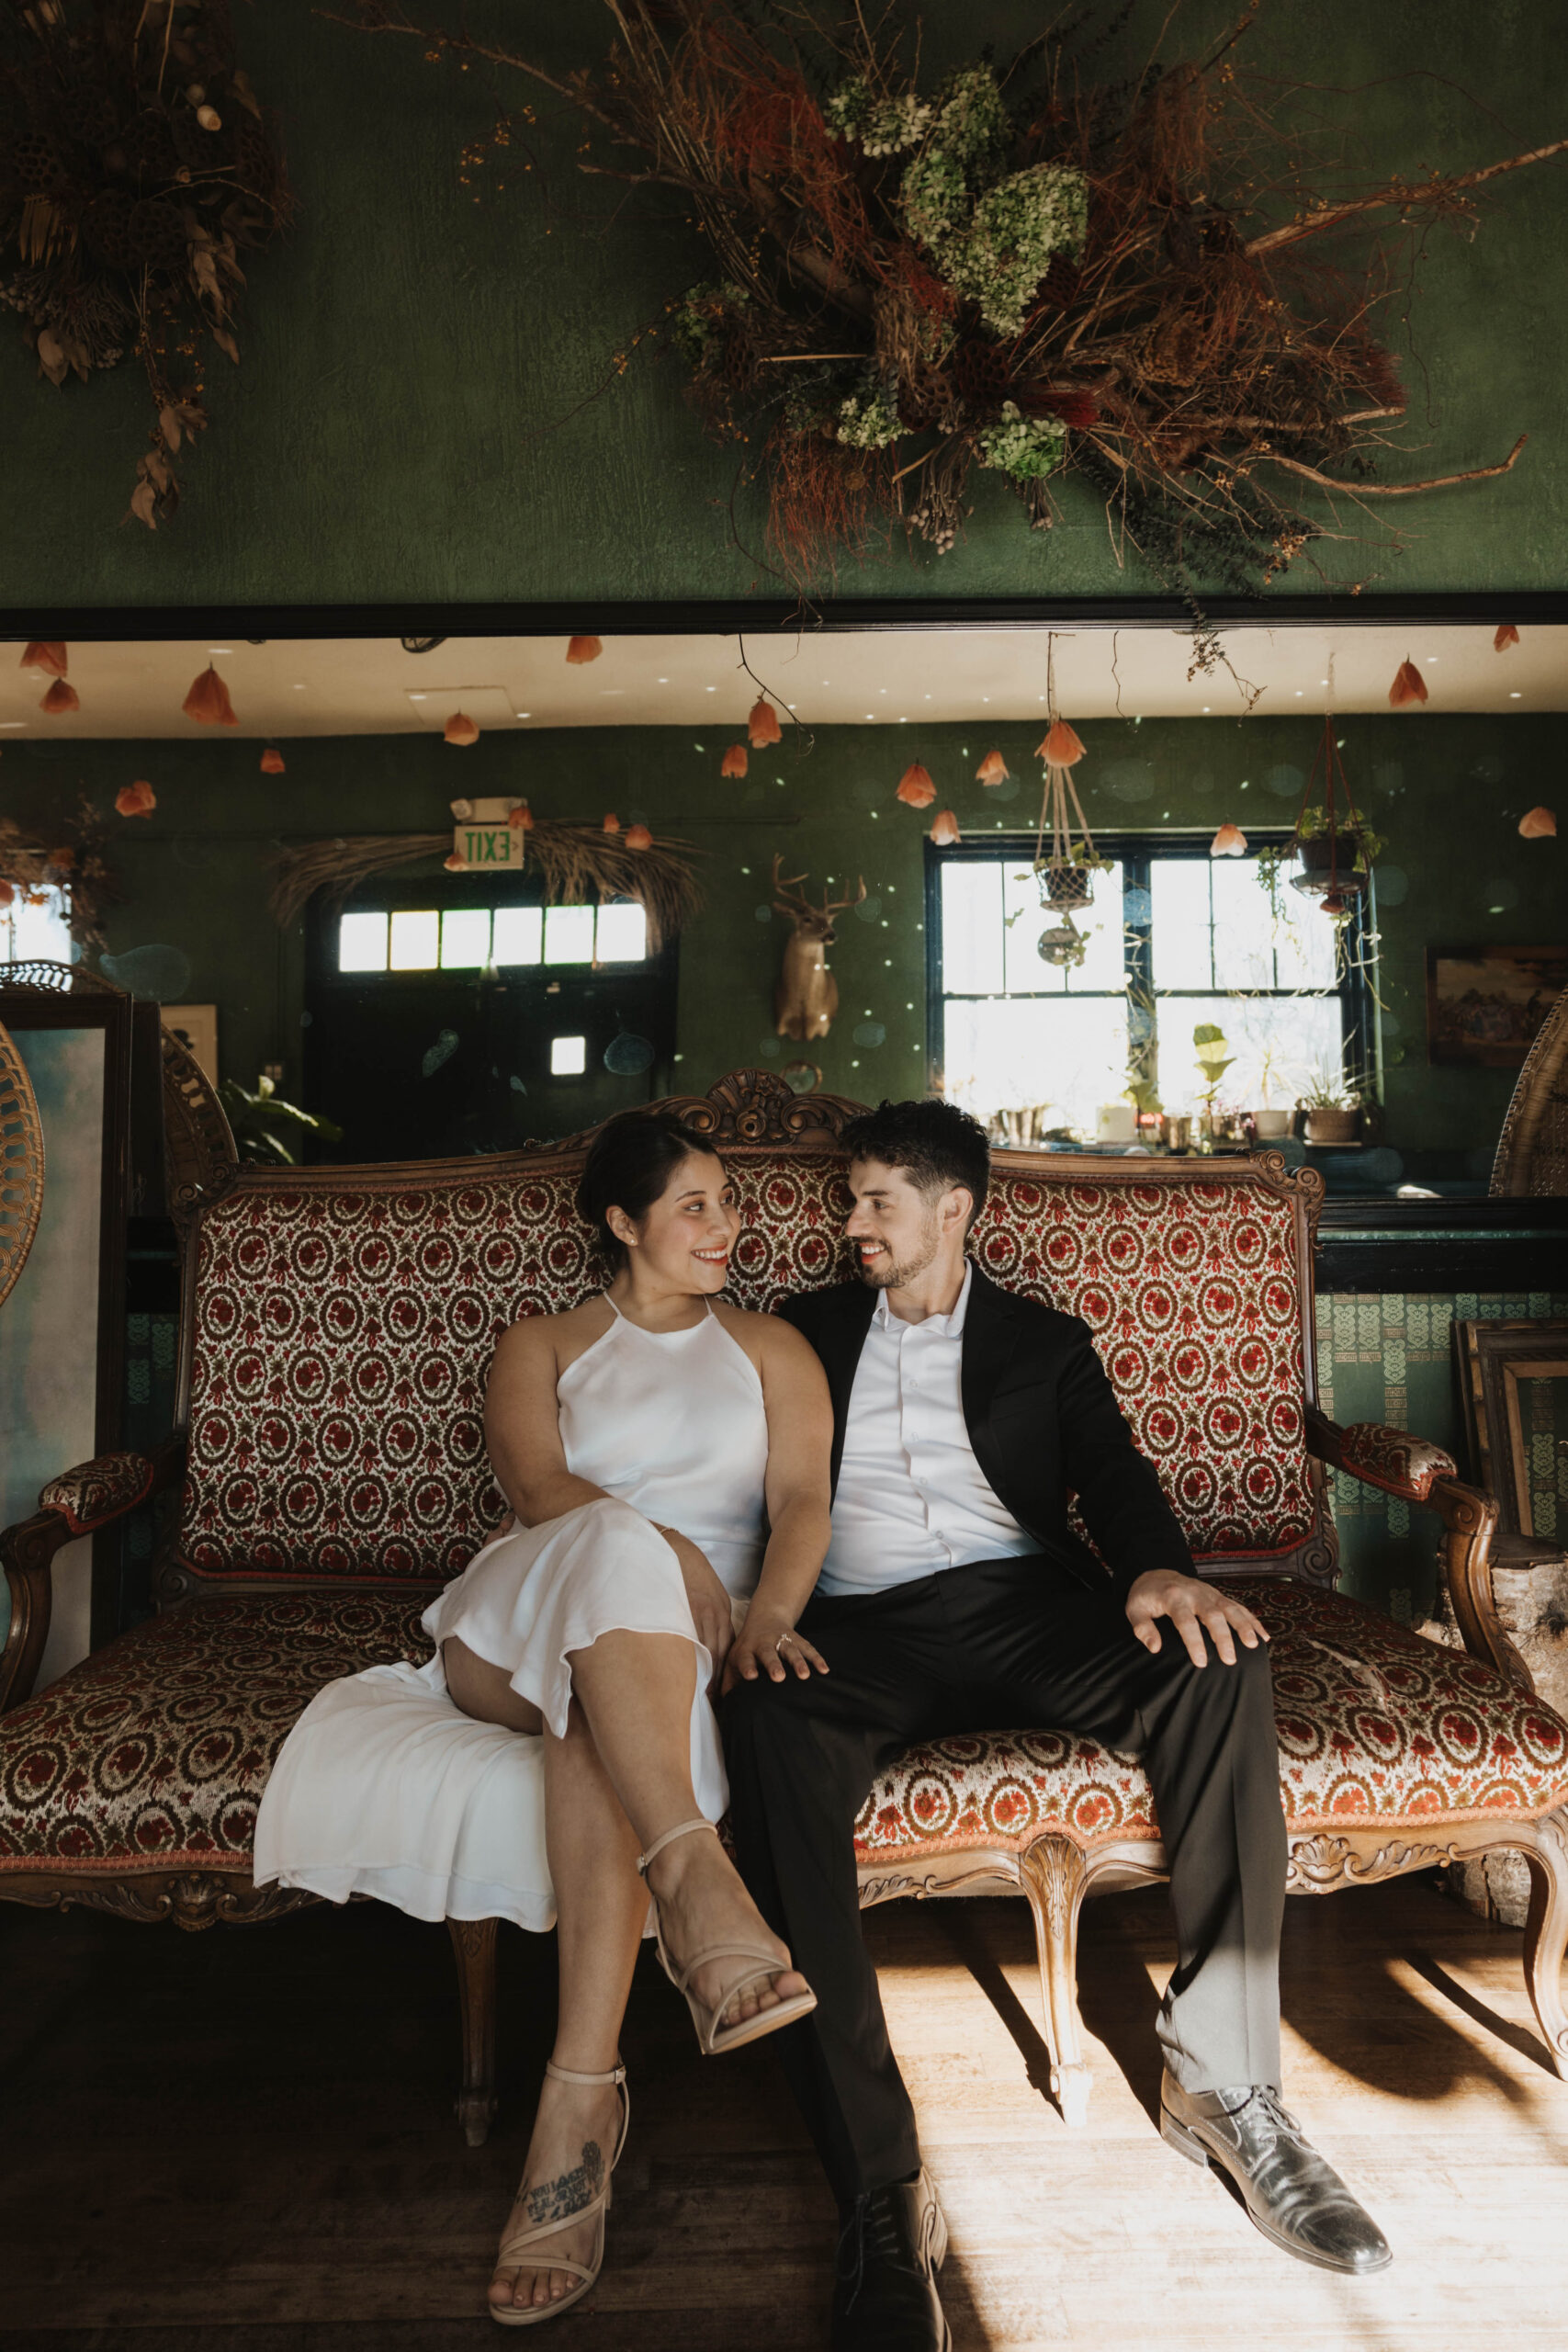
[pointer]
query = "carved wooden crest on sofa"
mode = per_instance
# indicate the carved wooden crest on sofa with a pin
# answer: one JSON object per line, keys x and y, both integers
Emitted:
{"x": 330, "y": 1469}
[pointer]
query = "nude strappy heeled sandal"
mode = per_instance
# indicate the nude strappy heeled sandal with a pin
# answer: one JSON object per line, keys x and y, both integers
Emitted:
{"x": 513, "y": 2255}
{"x": 714, "y": 2037}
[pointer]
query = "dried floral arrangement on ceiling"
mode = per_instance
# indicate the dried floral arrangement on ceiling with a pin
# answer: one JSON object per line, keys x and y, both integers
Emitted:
{"x": 136, "y": 165}
{"x": 1040, "y": 268}
{"x": 576, "y": 863}
{"x": 29, "y": 866}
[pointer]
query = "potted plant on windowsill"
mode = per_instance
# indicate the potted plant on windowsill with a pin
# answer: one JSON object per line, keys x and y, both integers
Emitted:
{"x": 1270, "y": 1124}
{"x": 1214, "y": 1057}
{"x": 1333, "y": 1106}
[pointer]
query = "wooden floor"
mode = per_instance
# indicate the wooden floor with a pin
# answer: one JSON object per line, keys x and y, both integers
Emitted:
{"x": 242, "y": 2140}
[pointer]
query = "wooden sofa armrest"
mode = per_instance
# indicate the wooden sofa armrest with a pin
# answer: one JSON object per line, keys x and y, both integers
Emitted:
{"x": 1420, "y": 1472}
{"x": 94, "y": 1495}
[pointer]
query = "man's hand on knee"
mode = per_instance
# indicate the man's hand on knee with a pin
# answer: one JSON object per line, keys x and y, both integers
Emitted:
{"x": 1191, "y": 1605}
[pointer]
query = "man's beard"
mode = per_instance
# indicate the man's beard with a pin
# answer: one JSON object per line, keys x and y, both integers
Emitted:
{"x": 891, "y": 1273}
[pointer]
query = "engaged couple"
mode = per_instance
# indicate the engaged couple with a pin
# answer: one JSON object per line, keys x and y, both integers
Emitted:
{"x": 752, "y": 1557}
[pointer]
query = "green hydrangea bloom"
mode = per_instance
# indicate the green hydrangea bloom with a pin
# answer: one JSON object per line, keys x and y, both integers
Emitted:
{"x": 1000, "y": 258}
{"x": 883, "y": 126}
{"x": 868, "y": 419}
{"x": 1027, "y": 448}
{"x": 973, "y": 124}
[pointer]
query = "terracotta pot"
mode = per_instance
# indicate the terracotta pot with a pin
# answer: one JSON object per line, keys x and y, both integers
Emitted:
{"x": 1332, "y": 1126}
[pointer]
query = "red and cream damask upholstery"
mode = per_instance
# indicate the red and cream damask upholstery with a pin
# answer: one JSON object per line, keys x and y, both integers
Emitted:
{"x": 98, "y": 1490}
{"x": 342, "y": 1341}
{"x": 1377, "y": 1729}
{"x": 154, "y": 1753}
{"x": 1393, "y": 1459}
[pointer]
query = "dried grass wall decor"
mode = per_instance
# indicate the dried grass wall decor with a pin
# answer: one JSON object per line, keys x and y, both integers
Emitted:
{"x": 1035, "y": 268}
{"x": 136, "y": 166}
{"x": 576, "y": 863}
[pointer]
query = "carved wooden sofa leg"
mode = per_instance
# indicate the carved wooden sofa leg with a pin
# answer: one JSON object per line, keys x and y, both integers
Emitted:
{"x": 1546, "y": 1932}
{"x": 1053, "y": 1875}
{"x": 473, "y": 1945}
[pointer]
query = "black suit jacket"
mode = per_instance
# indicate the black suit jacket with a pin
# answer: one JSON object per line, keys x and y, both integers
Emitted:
{"x": 1042, "y": 1419}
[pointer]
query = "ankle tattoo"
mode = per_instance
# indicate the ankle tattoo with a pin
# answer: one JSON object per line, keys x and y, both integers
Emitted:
{"x": 559, "y": 2199}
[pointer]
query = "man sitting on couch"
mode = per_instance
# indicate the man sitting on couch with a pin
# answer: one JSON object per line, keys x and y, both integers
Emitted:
{"x": 956, "y": 1597}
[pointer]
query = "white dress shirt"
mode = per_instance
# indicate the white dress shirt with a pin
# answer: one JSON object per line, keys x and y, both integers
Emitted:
{"x": 911, "y": 1498}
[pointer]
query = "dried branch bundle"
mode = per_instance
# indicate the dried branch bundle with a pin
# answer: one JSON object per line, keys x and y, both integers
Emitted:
{"x": 136, "y": 165}
{"x": 576, "y": 863}
{"x": 1029, "y": 268}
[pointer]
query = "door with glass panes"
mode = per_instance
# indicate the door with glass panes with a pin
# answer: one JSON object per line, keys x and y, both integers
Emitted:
{"x": 461, "y": 1015}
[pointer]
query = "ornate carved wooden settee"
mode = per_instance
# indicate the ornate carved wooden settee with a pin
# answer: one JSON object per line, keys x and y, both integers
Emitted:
{"x": 330, "y": 1472}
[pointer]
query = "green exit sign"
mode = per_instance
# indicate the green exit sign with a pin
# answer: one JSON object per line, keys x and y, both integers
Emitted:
{"x": 488, "y": 844}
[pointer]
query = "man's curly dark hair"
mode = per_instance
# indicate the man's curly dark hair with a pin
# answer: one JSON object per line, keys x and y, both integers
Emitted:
{"x": 934, "y": 1143}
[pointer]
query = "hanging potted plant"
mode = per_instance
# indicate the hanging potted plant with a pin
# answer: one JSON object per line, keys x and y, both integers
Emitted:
{"x": 1335, "y": 845}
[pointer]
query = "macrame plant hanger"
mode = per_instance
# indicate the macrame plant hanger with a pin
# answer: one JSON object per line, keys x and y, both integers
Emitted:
{"x": 1066, "y": 876}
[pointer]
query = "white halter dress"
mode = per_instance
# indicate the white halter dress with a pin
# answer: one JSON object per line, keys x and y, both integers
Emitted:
{"x": 385, "y": 1787}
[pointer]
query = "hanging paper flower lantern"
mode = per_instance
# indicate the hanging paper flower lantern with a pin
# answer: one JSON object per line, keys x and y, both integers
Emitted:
{"x": 1539, "y": 824}
{"x": 208, "y": 702}
{"x": 945, "y": 829}
{"x": 460, "y": 729}
{"x": 47, "y": 655}
{"x": 1061, "y": 748}
{"x": 60, "y": 697}
{"x": 611, "y": 824}
{"x": 584, "y": 648}
{"x": 1506, "y": 634}
{"x": 1408, "y": 686}
{"x": 993, "y": 769}
{"x": 271, "y": 762}
{"x": 638, "y": 837}
{"x": 762, "y": 724}
{"x": 735, "y": 762}
{"x": 455, "y": 864}
{"x": 521, "y": 819}
{"x": 915, "y": 789}
{"x": 136, "y": 800}
{"x": 1229, "y": 841}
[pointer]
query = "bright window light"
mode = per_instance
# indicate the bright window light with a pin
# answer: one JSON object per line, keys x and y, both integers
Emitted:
{"x": 518, "y": 931}
{"x": 622, "y": 935}
{"x": 415, "y": 940}
{"x": 362, "y": 944}
{"x": 465, "y": 938}
{"x": 43, "y": 931}
{"x": 569, "y": 934}
{"x": 568, "y": 1056}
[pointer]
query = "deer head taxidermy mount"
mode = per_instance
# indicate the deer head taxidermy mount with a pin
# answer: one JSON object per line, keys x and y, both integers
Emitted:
{"x": 806, "y": 996}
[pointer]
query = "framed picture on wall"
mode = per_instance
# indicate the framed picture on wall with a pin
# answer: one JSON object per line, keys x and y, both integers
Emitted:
{"x": 1513, "y": 1377}
{"x": 1485, "y": 1004}
{"x": 196, "y": 1026}
{"x": 62, "y": 1328}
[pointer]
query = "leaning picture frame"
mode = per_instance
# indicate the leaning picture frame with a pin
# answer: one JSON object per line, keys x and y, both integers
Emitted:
{"x": 62, "y": 1328}
{"x": 1513, "y": 1378}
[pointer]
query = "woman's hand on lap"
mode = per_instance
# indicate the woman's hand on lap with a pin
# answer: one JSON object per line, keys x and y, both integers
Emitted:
{"x": 710, "y": 1600}
{"x": 768, "y": 1643}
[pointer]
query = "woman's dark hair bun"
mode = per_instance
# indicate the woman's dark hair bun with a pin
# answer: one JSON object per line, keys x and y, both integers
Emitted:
{"x": 630, "y": 1161}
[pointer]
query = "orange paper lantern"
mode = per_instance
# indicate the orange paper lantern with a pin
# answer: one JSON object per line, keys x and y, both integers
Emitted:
{"x": 638, "y": 837}
{"x": 521, "y": 819}
{"x": 1408, "y": 685}
{"x": 1506, "y": 634}
{"x": 455, "y": 864}
{"x": 610, "y": 823}
{"x": 136, "y": 800}
{"x": 1229, "y": 841}
{"x": 915, "y": 787}
{"x": 271, "y": 762}
{"x": 1061, "y": 748}
{"x": 60, "y": 697}
{"x": 47, "y": 655}
{"x": 993, "y": 769}
{"x": 945, "y": 829}
{"x": 762, "y": 724}
{"x": 584, "y": 648}
{"x": 208, "y": 702}
{"x": 460, "y": 729}
{"x": 1539, "y": 825}
{"x": 735, "y": 762}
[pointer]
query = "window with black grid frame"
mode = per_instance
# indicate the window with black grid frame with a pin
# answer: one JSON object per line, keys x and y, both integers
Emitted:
{"x": 1175, "y": 939}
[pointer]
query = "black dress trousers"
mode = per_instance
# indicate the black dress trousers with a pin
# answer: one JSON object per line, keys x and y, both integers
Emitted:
{"x": 1003, "y": 1645}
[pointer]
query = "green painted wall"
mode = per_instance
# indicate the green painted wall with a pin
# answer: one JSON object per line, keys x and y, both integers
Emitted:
{"x": 1446, "y": 792}
{"x": 410, "y": 343}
